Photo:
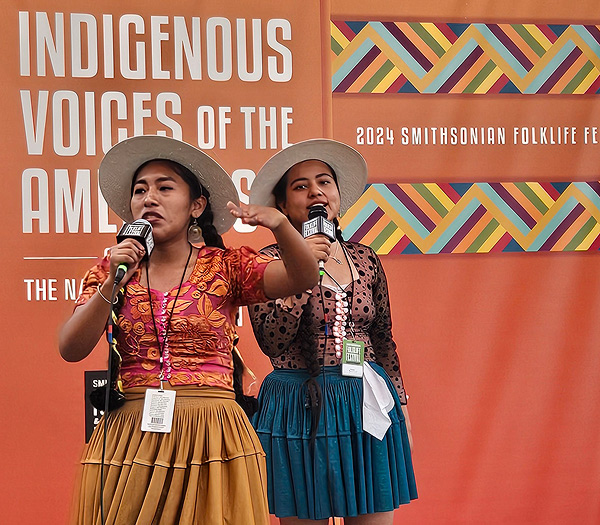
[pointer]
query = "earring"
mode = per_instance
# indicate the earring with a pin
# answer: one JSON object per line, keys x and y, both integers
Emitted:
{"x": 195, "y": 232}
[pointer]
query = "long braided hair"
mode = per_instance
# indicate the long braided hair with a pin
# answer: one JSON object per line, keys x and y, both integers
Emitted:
{"x": 308, "y": 340}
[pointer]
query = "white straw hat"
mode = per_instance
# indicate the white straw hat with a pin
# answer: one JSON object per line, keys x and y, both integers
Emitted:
{"x": 348, "y": 164}
{"x": 122, "y": 161}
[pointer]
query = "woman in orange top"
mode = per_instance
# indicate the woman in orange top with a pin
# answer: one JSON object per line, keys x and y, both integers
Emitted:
{"x": 174, "y": 319}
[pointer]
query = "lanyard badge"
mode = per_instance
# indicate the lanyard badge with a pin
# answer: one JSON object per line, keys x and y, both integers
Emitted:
{"x": 353, "y": 358}
{"x": 159, "y": 405}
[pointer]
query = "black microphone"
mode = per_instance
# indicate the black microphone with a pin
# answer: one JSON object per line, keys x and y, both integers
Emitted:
{"x": 141, "y": 231}
{"x": 318, "y": 224}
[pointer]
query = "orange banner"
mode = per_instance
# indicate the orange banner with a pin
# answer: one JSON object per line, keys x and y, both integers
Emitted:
{"x": 499, "y": 351}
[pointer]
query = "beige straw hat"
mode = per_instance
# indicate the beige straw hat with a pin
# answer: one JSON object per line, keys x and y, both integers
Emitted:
{"x": 348, "y": 164}
{"x": 122, "y": 161}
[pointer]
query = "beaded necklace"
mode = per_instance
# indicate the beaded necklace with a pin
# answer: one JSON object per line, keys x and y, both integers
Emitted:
{"x": 341, "y": 316}
{"x": 343, "y": 312}
{"x": 165, "y": 360}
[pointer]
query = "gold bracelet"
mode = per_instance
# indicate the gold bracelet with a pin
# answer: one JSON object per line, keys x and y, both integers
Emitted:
{"x": 101, "y": 295}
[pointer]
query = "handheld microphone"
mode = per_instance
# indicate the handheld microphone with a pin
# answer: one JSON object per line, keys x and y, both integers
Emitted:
{"x": 318, "y": 224}
{"x": 141, "y": 231}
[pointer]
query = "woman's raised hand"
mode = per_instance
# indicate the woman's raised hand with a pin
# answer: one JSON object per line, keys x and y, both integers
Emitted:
{"x": 255, "y": 215}
{"x": 320, "y": 246}
{"x": 297, "y": 270}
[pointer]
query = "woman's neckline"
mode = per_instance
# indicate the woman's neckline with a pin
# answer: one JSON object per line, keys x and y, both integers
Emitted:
{"x": 334, "y": 288}
{"x": 135, "y": 280}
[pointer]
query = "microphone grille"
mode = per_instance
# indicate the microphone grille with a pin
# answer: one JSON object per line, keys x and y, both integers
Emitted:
{"x": 317, "y": 210}
{"x": 142, "y": 222}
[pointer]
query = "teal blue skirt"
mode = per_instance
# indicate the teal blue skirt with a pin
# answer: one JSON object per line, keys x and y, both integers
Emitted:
{"x": 348, "y": 472}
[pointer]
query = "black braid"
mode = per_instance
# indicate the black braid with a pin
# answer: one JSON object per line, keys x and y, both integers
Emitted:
{"x": 248, "y": 403}
{"x": 116, "y": 308}
{"x": 314, "y": 396}
{"x": 309, "y": 350}
{"x": 238, "y": 370}
{"x": 338, "y": 230}
{"x": 309, "y": 345}
{"x": 205, "y": 221}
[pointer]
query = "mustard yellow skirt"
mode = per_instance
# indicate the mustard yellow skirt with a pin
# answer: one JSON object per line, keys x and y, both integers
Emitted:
{"x": 209, "y": 470}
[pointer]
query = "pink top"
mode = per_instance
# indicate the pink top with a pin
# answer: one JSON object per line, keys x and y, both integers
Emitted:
{"x": 200, "y": 338}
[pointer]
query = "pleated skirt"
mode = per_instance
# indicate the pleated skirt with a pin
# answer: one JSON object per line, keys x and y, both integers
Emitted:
{"x": 209, "y": 470}
{"x": 348, "y": 472}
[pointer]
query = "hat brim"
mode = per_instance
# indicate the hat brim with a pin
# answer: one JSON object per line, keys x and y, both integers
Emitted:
{"x": 348, "y": 164}
{"x": 122, "y": 161}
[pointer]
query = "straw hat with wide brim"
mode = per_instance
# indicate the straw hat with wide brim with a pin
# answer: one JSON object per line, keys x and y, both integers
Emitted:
{"x": 122, "y": 161}
{"x": 348, "y": 164}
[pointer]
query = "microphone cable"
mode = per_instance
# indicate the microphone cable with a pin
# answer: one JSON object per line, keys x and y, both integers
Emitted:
{"x": 140, "y": 230}
{"x": 109, "y": 336}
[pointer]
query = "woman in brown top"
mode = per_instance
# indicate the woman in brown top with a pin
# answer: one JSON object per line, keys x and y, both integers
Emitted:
{"x": 332, "y": 416}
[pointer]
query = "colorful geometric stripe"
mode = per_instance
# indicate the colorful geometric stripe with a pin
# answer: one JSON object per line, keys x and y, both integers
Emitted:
{"x": 477, "y": 218}
{"x": 425, "y": 57}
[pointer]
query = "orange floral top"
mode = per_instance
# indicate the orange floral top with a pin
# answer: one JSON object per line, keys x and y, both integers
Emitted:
{"x": 197, "y": 350}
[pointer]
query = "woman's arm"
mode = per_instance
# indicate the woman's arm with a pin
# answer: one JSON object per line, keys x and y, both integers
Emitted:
{"x": 275, "y": 323}
{"x": 82, "y": 331}
{"x": 381, "y": 329}
{"x": 297, "y": 270}
{"x": 383, "y": 343}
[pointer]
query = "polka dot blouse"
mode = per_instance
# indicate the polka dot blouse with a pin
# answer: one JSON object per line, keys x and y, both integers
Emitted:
{"x": 283, "y": 326}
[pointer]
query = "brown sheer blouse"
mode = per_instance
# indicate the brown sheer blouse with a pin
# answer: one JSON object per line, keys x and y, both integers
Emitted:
{"x": 278, "y": 323}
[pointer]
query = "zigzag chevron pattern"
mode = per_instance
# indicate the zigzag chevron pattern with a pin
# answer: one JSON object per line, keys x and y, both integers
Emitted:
{"x": 414, "y": 57}
{"x": 476, "y": 218}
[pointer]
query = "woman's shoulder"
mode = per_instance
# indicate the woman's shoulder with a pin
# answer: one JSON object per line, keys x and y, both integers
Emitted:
{"x": 209, "y": 259}
{"x": 231, "y": 256}
{"x": 359, "y": 250}
{"x": 364, "y": 257}
{"x": 93, "y": 278}
{"x": 215, "y": 253}
{"x": 248, "y": 252}
{"x": 210, "y": 250}
{"x": 98, "y": 273}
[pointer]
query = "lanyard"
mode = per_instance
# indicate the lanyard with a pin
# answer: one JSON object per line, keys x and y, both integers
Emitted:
{"x": 165, "y": 357}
